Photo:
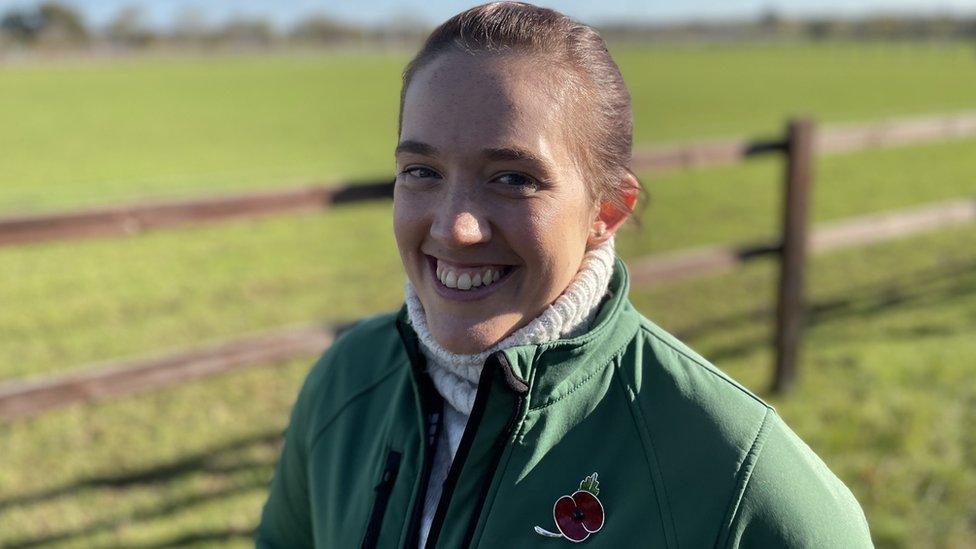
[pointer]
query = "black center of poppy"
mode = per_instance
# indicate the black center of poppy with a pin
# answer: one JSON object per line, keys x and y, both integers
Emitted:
{"x": 578, "y": 515}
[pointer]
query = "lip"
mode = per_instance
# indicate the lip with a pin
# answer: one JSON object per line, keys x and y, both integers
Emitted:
{"x": 473, "y": 294}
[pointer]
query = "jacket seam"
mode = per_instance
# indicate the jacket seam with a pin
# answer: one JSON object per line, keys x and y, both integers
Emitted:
{"x": 322, "y": 428}
{"x": 650, "y": 457}
{"x": 596, "y": 371}
{"x": 499, "y": 473}
{"x": 705, "y": 366}
{"x": 744, "y": 472}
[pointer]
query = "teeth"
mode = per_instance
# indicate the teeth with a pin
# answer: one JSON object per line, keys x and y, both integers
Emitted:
{"x": 466, "y": 280}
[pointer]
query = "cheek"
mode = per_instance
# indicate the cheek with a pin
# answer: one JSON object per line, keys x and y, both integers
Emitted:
{"x": 408, "y": 226}
{"x": 550, "y": 234}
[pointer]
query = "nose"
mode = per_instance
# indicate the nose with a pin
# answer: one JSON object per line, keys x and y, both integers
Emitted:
{"x": 459, "y": 222}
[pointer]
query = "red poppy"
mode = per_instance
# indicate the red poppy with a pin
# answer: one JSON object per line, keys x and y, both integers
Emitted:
{"x": 578, "y": 516}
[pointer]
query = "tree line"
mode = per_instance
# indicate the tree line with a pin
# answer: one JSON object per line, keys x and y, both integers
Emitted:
{"x": 52, "y": 25}
{"x": 57, "y": 26}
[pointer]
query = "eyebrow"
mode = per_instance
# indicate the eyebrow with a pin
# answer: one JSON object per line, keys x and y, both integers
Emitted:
{"x": 416, "y": 147}
{"x": 512, "y": 153}
{"x": 498, "y": 154}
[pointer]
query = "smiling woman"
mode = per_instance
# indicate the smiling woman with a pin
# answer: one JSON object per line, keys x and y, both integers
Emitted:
{"x": 517, "y": 398}
{"x": 487, "y": 184}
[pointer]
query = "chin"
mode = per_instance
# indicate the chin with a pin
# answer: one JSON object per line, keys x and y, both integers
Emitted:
{"x": 466, "y": 338}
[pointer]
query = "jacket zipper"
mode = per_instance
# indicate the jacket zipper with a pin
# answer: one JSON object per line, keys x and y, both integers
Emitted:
{"x": 432, "y": 408}
{"x": 477, "y": 413}
{"x": 495, "y": 460}
{"x": 383, "y": 490}
{"x": 435, "y": 421}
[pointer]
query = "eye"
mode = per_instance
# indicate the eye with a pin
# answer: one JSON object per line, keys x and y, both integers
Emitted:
{"x": 420, "y": 172}
{"x": 517, "y": 180}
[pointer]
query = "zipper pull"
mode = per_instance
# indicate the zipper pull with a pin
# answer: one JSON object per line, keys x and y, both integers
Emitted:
{"x": 383, "y": 490}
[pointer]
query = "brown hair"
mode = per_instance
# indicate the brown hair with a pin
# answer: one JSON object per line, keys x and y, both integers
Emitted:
{"x": 593, "y": 82}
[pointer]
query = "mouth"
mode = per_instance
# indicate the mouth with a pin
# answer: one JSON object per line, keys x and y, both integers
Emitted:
{"x": 467, "y": 282}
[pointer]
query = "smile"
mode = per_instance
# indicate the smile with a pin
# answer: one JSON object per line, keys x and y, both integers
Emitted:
{"x": 467, "y": 281}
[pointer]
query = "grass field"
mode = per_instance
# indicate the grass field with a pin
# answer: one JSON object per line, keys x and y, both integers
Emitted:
{"x": 106, "y": 131}
{"x": 884, "y": 398}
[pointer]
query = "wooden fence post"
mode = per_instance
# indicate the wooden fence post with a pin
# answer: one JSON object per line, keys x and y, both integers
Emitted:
{"x": 789, "y": 310}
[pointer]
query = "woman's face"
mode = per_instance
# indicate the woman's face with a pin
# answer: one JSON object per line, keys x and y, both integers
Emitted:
{"x": 490, "y": 215}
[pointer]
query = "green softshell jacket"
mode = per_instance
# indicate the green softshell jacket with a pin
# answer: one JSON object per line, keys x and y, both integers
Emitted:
{"x": 684, "y": 456}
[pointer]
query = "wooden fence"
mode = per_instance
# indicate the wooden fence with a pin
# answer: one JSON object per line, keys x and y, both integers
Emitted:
{"x": 136, "y": 218}
{"x": 799, "y": 146}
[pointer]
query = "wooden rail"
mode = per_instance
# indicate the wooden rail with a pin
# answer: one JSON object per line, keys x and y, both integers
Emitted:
{"x": 21, "y": 398}
{"x": 136, "y": 218}
{"x": 27, "y": 397}
{"x": 895, "y": 132}
{"x": 666, "y": 268}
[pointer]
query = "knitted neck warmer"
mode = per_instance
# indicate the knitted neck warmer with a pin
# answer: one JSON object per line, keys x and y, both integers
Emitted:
{"x": 456, "y": 375}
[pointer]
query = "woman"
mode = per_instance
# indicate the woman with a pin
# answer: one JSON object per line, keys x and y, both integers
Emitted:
{"x": 517, "y": 398}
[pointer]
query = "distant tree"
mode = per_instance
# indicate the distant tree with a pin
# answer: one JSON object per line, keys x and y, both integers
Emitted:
{"x": 128, "y": 29}
{"x": 770, "y": 21}
{"x": 944, "y": 27}
{"x": 247, "y": 32}
{"x": 61, "y": 25}
{"x": 21, "y": 25}
{"x": 190, "y": 26}
{"x": 823, "y": 29}
{"x": 50, "y": 24}
{"x": 323, "y": 30}
{"x": 883, "y": 27}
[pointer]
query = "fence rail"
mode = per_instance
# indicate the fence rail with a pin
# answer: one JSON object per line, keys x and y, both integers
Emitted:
{"x": 137, "y": 218}
{"x": 22, "y": 398}
{"x": 25, "y": 397}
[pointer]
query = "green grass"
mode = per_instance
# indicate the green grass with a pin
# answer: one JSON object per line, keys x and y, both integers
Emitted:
{"x": 885, "y": 399}
{"x": 75, "y": 302}
{"x": 88, "y": 132}
{"x": 885, "y": 395}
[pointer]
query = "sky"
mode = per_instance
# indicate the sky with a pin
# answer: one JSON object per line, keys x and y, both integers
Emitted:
{"x": 162, "y": 13}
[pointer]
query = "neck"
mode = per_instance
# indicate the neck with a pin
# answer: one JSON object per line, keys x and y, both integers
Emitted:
{"x": 456, "y": 375}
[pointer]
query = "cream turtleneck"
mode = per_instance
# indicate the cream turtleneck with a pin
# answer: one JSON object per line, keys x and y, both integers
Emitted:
{"x": 456, "y": 375}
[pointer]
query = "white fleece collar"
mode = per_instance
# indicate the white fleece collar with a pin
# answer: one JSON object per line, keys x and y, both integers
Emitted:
{"x": 456, "y": 375}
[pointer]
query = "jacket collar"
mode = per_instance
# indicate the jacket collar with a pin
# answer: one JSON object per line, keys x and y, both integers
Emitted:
{"x": 554, "y": 368}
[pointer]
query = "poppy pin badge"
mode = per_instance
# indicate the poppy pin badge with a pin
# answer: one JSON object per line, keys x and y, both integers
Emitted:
{"x": 579, "y": 515}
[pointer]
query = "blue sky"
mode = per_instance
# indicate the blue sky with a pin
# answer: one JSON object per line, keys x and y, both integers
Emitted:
{"x": 161, "y": 13}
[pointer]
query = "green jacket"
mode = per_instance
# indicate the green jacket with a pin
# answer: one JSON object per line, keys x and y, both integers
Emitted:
{"x": 684, "y": 456}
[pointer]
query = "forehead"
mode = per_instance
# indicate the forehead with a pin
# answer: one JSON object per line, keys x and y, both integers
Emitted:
{"x": 463, "y": 102}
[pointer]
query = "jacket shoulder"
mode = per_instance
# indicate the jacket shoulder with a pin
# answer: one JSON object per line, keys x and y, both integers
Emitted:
{"x": 789, "y": 498}
{"x": 361, "y": 357}
{"x": 357, "y": 362}
{"x": 700, "y": 426}
{"x": 712, "y": 438}
{"x": 682, "y": 382}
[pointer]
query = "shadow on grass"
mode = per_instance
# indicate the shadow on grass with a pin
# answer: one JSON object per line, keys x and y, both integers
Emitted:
{"x": 155, "y": 511}
{"x": 925, "y": 287}
{"x": 208, "y": 538}
{"x": 920, "y": 288}
{"x": 207, "y": 462}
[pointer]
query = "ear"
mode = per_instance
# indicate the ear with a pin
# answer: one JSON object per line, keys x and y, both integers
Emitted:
{"x": 610, "y": 216}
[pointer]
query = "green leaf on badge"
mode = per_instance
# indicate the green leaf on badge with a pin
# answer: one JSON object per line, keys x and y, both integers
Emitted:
{"x": 591, "y": 484}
